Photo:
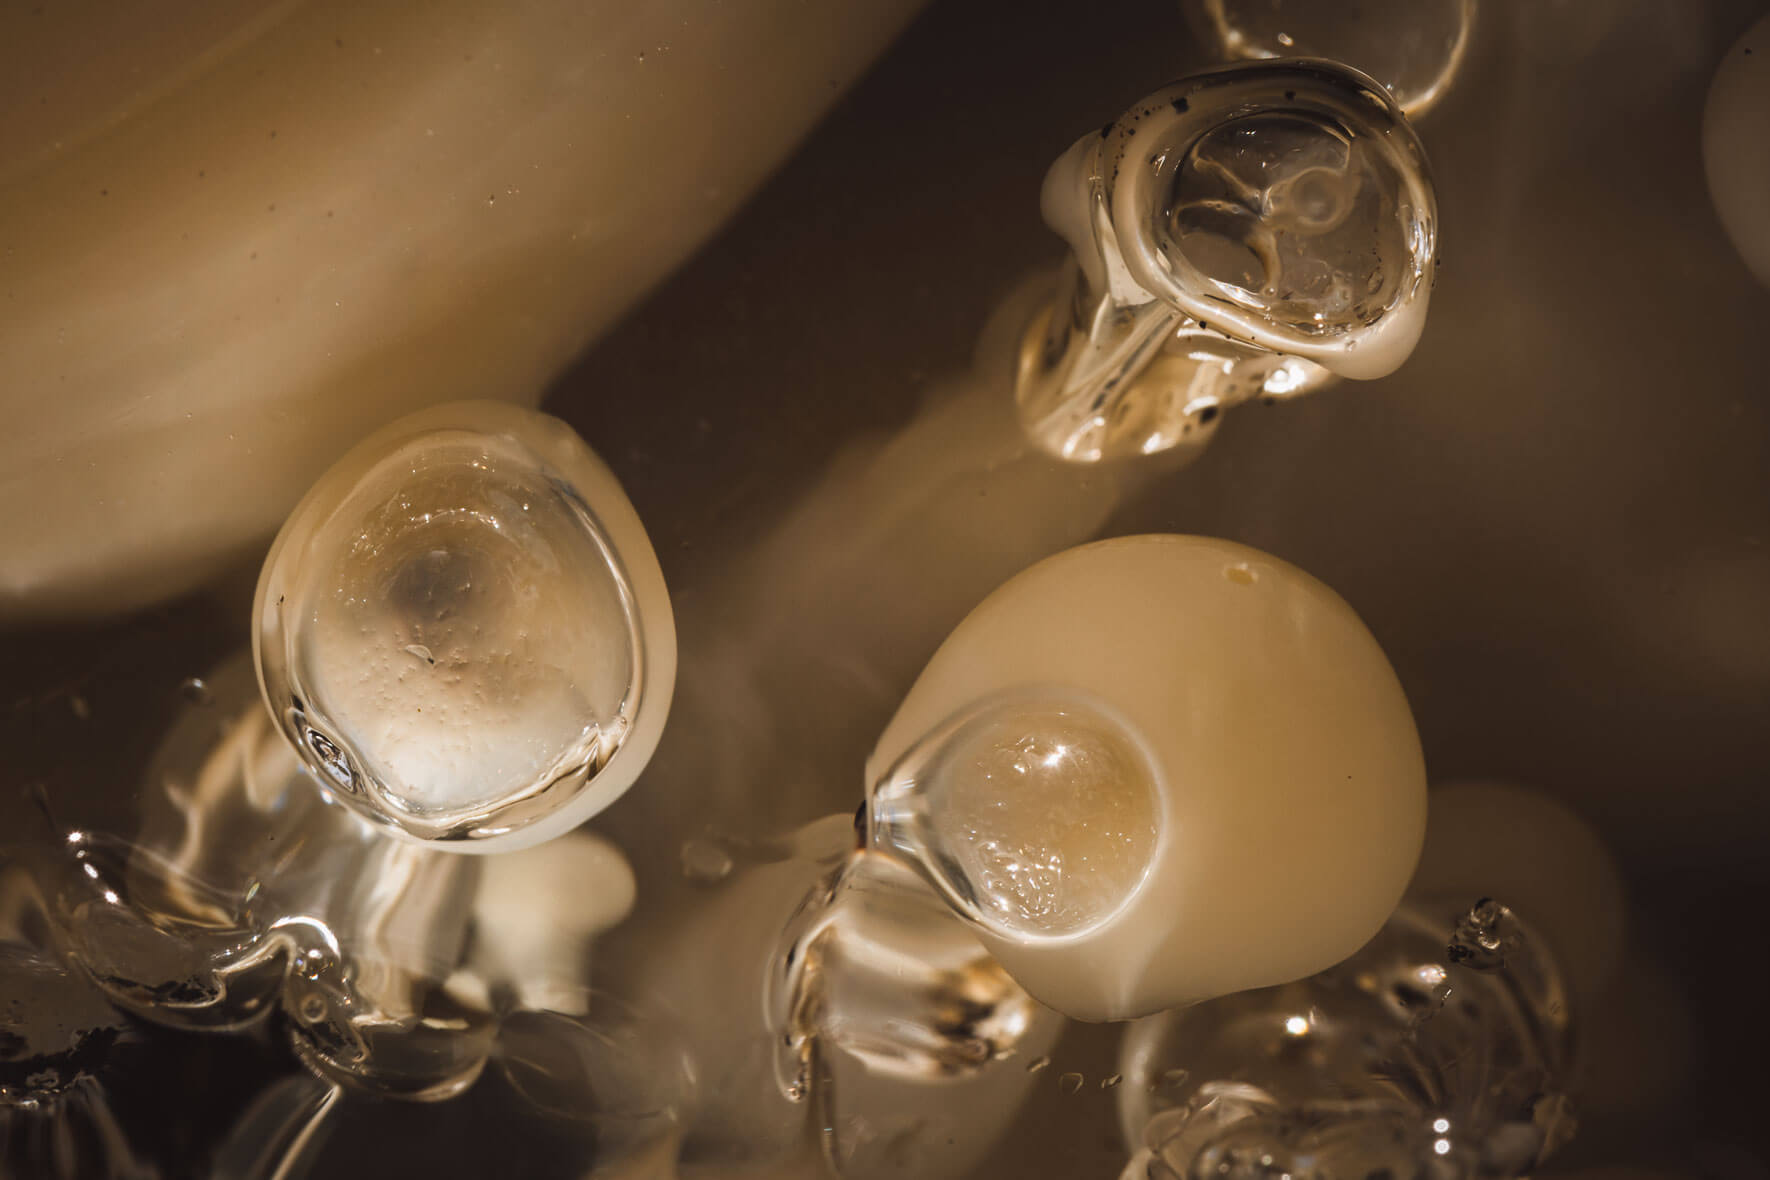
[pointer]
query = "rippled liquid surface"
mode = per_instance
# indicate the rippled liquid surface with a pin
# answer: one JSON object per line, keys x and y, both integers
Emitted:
{"x": 1292, "y": 216}
{"x": 460, "y": 635}
{"x": 1041, "y": 816}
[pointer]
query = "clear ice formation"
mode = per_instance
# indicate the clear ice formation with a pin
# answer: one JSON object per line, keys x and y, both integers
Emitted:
{"x": 464, "y": 630}
{"x": 245, "y": 892}
{"x": 868, "y": 1032}
{"x": 1444, "y": 1048}
{"x": 1256, "y": 231}
{"x": 1153, "y": 770}
{"x": 1441, "y": 1049}
{"x": 1415, "y": 48}
{"x": 58, "y": 1038}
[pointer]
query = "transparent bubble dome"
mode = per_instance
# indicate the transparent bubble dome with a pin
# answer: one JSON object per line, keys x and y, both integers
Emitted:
{"x": 1039, "y": 813}
{"x": 463, "y": 629}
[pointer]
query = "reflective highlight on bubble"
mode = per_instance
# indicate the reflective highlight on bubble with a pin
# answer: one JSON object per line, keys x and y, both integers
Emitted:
{"x": 1036, "y": 813}
{"x": 450, "y": 631}
{"x": 1253, "y": 232}
{"x": 1363, "y": 1069}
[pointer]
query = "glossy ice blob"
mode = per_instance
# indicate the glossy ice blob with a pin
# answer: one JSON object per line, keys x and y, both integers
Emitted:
{"x": 859, "y": 1027}
{"x": 1255, "y": 231}
{"x": 1412, "y": 1058}
{"x": 1445, "y": 1047}
{"x": 464, "y": 630}
{"x": 1413, "y": 47}
{"x": 1154, "y": 770}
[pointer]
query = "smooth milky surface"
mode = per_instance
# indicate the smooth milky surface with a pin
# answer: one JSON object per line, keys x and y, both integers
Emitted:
{"x": 1240, "y": 802}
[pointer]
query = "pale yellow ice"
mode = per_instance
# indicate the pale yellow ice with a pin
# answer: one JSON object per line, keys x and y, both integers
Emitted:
{"x": 1290, "y": 789}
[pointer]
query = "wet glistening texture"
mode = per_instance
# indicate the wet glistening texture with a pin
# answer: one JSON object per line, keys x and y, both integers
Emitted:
{"x": 1257, "y": 230}
{"x": 461, "y": 623}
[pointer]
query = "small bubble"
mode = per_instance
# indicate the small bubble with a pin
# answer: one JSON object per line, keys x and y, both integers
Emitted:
{"x": 1111, "y": 1080}
{"x": 1037, "y": 1063}
{"x": 422, "y": 652}
{"x": 313, "y": 1007}
{"x": 1241, "y": 575}
{"x": 196, "y": 690}
{"x": 1071, "y": 1083}
{"x": 704, "y": 862}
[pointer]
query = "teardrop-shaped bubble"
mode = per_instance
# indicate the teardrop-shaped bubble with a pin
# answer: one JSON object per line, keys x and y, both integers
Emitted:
{"x": 464, "y": 630}
{"x": 1038, "y": 811}
{"x": 1153, "y": 770}
{"x": 1415, "y": 48}
{"x": 1255, "y": 231}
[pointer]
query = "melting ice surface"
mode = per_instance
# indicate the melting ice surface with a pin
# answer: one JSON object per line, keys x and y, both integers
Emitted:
{"x": 1045, "y": 813}
{"x": 1255, "y": 231}
{"x": 1412, "y": 1058}
{"x": 1133, "y": 769}
{"x": 461, "y": 624}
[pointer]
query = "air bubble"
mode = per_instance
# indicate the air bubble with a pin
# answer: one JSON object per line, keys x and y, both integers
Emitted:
{"x": 465, "y": 622}
{"x": 1040, "y": 812}
{"x": 1259, "y": 230}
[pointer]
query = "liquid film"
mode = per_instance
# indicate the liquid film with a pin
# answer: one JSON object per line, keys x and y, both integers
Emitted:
{"x": 1255, "y": 231}
{"x": 447, "y": 630}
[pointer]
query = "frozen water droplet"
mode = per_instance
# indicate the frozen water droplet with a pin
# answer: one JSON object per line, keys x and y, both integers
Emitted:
{"x": 1253, "y": 231}
{"x": 1038, "y": 814}
{"x": 705, "y": 862}
{"x": 490, "y": 546}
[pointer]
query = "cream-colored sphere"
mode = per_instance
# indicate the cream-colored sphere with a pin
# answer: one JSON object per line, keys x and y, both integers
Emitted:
{"x": 1243, "y": 709}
